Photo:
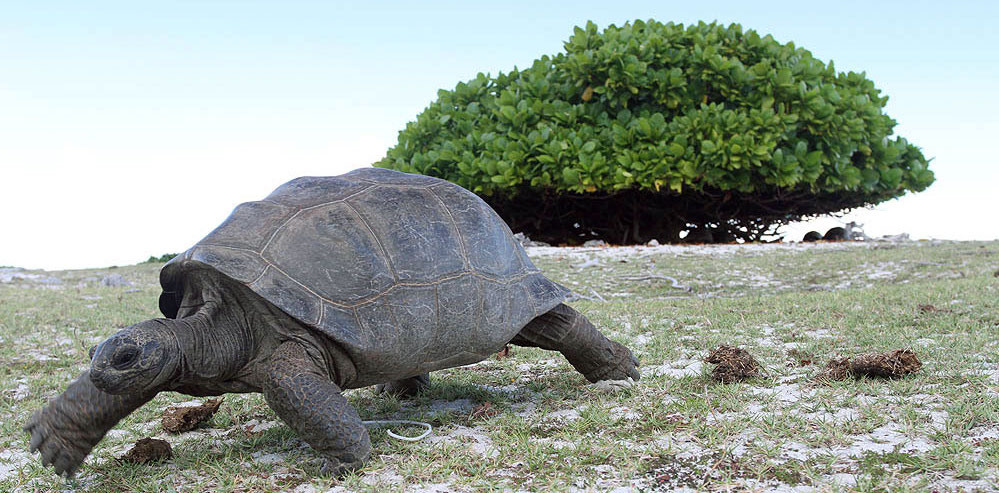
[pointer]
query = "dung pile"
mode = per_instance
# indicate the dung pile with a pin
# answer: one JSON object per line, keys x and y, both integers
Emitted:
{"x": 181, "y": 419}
{"x": 892, "y": 364}
{"x": 733, "y": 364}
{"x": 148, "y": 450}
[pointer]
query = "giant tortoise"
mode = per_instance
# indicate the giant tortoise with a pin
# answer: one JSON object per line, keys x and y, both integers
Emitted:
{"x": 330, "y": 283}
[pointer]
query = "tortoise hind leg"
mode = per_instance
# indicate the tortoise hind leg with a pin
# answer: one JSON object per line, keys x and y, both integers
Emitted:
{"x": 406, "y": 387}
{"x": 303, "y": 396}
{"x": 567, "y": 331}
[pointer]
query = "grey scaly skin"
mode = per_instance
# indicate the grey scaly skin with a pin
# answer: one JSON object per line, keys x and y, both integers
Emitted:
{"x": 193, "y": 356}
{"x": 374, "y": 277}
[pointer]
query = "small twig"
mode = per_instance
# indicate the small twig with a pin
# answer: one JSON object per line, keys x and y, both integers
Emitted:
{"x": 675, "y": 284}
{"x": 595, "y": 293}
{"x": 588, "y": 263}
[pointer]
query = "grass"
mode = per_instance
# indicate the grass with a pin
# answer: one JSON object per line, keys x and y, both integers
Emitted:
{"x": 792, "y": 306}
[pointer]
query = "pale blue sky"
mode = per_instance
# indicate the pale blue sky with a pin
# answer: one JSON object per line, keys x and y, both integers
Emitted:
{"x": 129, "y": 129}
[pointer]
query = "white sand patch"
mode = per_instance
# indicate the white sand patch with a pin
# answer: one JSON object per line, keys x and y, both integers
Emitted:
{"x": 477, "y": 441}
{"x": 625, "y": 413}
{"x": 641, "y": 339}
{"x": 795, "y": 451}
{"x": 564, "y": 415}
{"x": 434, "y": 488}
{"x": 819, "y": 333}
{"x": 838, "y": 416}
{"x": 254, "y": 426}
{"x": 949, "y": 483}
{"x": 555, "y": 443}
{"x": 843, "y": 479}
{"x": 980, "y": 434}
{"x": 524, "y": 409}
{"x": 611, "y": 386}
{"x": 117, "y": 434}
{"x": 12, "y": 461}
{"x": 271, "y": 458}
{"x": 10, "y": 275}
{"x": 542, "y": 364}
{"x": 19, "y": 393}
{"x": 880, "y": 270}
{"x": 688, "y": 367}
{"x": 191, "y": 403}
{"x": 36, "y": 355}
{"x": 788, "y": 392}
{"x": 633, "y": 253}
{"x": 886, "y": 438}
{"x": 463, "y": 406}
{"x": 387, "y": 476}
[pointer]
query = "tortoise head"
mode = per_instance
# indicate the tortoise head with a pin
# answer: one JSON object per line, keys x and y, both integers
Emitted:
{"x": 139, "y": 358}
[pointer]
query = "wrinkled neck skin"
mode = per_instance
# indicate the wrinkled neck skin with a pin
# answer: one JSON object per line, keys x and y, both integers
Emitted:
{"x": 223, "y": 343}
{"x": 215, "y": 345}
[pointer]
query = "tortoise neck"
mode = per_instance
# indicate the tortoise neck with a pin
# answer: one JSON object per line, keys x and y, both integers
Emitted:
{"x": 215, "y": 343}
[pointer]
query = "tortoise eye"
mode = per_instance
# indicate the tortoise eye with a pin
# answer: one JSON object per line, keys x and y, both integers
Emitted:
{"x": 125, "y": 357}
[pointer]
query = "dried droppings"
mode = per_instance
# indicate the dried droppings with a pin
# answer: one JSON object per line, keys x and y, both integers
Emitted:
{"x": 932, "y": 309}
{"x": 892, "y": 364}
{"x": 504, "y": 353}
{"x": 483, "y": 411}
{"x": 148, "y": 450}
{"x": 836, "y": 369}
{"x": 733, "y": 364}
{"x": 800, "y": 358}
{"x": 181, "y": 419}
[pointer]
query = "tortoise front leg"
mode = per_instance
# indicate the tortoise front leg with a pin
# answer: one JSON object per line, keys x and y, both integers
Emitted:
{"x": 303, "y": 395}
{"x": 69, "y": 427}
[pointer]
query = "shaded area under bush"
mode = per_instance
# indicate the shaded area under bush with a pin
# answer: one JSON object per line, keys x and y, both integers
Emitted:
{"x": 638, "y": 216}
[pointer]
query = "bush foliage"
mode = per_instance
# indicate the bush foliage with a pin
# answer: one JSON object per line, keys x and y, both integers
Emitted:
{"x": 649, "y": 129}
{"x": 166, "y": 257}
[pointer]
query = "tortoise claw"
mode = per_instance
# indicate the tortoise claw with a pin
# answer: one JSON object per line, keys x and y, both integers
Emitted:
{"x": 337, "y": 468}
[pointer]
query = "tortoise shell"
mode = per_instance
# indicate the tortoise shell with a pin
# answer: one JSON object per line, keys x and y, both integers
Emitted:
{"x": 406, "y": 273}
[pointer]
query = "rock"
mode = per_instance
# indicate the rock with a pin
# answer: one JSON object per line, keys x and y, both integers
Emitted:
{"x": 855, "y": 231}
{"x": 653, "y": 242}
{"x": 899, "y": 238}
{"x": 114, "y": 281}
{"x": 16, "y": 274}
{"x": 525, "y": 241}
{"x": 595, "y": 243}
{"x": 699, "y": 235}
{"x": 835, "y": 234}
{"x": 812, "y": 236}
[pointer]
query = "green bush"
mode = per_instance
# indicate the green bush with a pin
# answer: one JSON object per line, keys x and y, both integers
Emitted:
{"x": 166, "y": 257}
{"x": 663, "y": 128}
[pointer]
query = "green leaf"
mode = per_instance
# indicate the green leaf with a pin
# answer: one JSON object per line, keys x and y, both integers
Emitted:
{"x": 570, "y": 176}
